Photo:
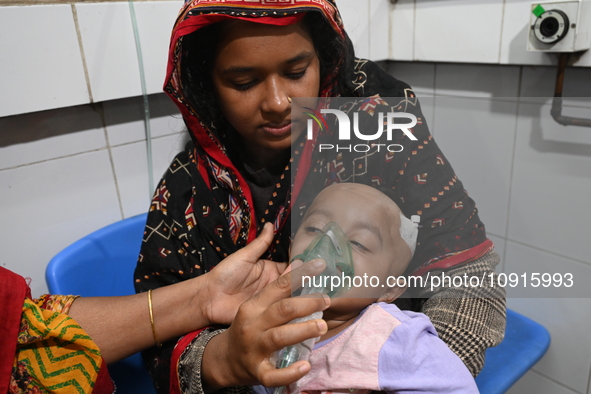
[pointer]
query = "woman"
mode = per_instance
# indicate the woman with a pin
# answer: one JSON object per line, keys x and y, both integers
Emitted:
{"x": 233, "y": 68}
{"x": 62, "y": 344}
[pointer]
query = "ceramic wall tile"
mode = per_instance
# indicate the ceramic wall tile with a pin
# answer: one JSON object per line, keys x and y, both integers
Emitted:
{"x": 420, "y": 76}
{"x": 50, "y": 205}
{"x": 109, "y": 45}
{"x": 551, "y": 185}
{"x": 155, "y": 20}
{"x": 571, "y": 135}
{"x": 458, "y": 30}
{"x": 534, "y": 382}
{"x": 470, "y": 80}
{"x": 584, "y": 60}
{"x": 125, "y": 118}
{"x": 477, "y": 136}
{"x": 402, "y": 30}
{"x": 39, "y": 71}
{"x": 568, "y": 320}
{"x": 538, "y": 85}
{"x": 355, "y": 14}
{"x": 165, "y": 116}
{"x": 109, "y": 48}
{"x": 379, "y": 29}
{"x": 39, "y": 136}
{"x": 131, "y": 169}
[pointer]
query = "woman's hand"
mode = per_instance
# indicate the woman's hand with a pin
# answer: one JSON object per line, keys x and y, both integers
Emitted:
{"x": 240, "y": 355}
{"x": 236, "y": 278}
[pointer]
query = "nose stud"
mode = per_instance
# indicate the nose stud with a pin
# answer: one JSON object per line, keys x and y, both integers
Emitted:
{"x": 289, "y": 99}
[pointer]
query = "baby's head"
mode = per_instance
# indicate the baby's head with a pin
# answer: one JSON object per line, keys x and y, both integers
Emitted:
{"x": 372, "y": 223}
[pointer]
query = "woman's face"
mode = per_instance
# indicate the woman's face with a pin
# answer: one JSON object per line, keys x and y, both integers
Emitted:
{"x": 257, "y": 67}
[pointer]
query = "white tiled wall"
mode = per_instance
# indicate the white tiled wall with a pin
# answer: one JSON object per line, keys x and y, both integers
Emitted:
{"x": 110, "y": 49}
{"x": 458, "y": 30}
{"x": 65, "y": 173}
{"x": 471, "y": 31}
{"x": 42, "y": 136}
{"x": 43, "y": 66}
{"x": 130, "y": 163}
{"x": 45, "y": 71}
{"x": 356, "y": 16}
{"x": 39, "y": 59}
{"x": 402, "y": 28}
{"x": 48, "y": 205}
{"x": 531, "y": 179}
{"x": 486, "y": 170}
{"x": 107, "y": 38}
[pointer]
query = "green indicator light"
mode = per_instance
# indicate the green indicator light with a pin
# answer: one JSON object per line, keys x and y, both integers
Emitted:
{"x": 539, "y": 10}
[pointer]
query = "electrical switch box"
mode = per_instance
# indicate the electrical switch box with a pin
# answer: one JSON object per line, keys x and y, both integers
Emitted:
{"x": 560, "y": 26}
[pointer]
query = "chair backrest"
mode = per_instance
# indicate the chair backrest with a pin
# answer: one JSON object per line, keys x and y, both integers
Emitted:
{"x": 102, "y": 264}
{"x": 524, "y": 344}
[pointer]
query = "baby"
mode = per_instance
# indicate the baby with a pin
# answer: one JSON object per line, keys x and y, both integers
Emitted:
{"x": 371, "y": 344}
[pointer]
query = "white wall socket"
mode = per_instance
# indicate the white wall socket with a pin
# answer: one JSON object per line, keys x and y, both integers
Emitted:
{"x": 560, "y": 26}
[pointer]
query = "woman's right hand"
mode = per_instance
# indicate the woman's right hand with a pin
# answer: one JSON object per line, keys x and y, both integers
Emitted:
{"x": 237, "y": 278}
{"x": 240, "y": 355}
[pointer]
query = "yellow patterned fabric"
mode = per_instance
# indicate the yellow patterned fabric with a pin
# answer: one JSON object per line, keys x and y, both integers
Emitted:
{"x": 54, "y": 354}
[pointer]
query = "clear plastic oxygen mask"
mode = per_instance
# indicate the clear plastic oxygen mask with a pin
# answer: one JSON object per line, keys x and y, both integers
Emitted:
{"x": 332, "y": 246}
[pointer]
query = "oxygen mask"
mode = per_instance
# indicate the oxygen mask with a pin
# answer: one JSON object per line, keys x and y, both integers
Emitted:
{"x": 332, "y": 246}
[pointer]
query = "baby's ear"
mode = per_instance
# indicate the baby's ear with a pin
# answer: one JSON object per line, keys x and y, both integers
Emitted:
{"x": 392, "y": 293}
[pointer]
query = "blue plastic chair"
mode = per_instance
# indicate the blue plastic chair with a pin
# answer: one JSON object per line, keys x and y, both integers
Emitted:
{"x": 525, "y": 343}
{"x": 102, "y": 264}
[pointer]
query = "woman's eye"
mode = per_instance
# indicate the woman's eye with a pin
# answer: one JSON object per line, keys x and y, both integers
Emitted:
{"x": 244, "y": 86}
{"x": 296, "y": 75}
{"x": 313, "y": 230}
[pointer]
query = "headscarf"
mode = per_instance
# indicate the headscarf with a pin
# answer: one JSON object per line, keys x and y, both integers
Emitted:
{"x": 214, "y": 159}
{"x": 218, "y": 215}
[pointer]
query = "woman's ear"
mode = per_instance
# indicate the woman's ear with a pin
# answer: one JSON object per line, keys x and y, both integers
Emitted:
{"x": 392, "y": 293}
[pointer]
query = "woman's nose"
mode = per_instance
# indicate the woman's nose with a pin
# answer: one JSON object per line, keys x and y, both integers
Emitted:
{"x": 276, "y": 98}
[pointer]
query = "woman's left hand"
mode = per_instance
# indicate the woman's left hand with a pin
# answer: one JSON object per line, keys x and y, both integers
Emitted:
{"x": 236, "y": 278}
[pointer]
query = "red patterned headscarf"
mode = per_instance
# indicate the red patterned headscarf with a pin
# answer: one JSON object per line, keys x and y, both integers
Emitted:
{"x": 214, "y": 159}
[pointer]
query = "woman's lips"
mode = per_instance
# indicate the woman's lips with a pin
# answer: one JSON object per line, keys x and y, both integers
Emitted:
{"x": 278, "y": 130}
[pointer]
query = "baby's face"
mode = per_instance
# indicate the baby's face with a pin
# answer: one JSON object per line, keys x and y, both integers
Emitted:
{"x": 371, "y": 221}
